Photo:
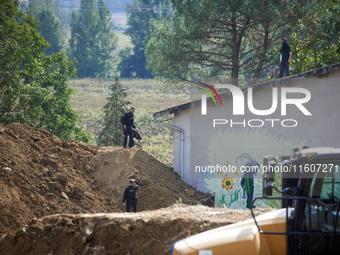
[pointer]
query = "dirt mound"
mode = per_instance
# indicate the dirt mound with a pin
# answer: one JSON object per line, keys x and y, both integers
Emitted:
{"x": 160, "y": 186}
{"x": 59, "y": 186}
{"x": 150, "y": 232}
{"x": 41, "y": 175}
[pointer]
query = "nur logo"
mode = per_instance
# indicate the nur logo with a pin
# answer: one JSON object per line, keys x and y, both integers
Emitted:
{"x": 204, "y": 97}
{"x": 239, "y": 99}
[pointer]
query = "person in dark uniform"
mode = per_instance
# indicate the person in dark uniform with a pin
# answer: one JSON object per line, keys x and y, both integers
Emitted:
{"x": 128, "y": 127}
{"x": 130, "y": 195}
{"x": 286, "y": 57}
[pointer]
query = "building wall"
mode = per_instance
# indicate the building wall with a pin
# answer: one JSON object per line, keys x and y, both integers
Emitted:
{"x": 237, "y": 146}
{"x": 182, "y": 121}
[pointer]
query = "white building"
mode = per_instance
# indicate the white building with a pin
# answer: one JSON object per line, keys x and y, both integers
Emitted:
{"x": 226, "y": 137}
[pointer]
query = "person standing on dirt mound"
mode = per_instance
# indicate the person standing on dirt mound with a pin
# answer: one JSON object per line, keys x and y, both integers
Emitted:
{"x": 128, "y": 127}
{"x": 130, "y": 195}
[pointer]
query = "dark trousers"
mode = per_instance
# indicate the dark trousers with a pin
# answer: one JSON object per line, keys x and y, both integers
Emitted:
{"x": 128, "y": 132}
{"x": 284, "y": 66}
{"x": 129, "y": 203}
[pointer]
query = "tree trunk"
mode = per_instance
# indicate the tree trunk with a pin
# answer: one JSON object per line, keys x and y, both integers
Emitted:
{"x": 234, "y": 60}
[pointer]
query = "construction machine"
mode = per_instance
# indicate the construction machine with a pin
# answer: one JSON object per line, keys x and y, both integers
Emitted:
{"x": 307, "y": 189}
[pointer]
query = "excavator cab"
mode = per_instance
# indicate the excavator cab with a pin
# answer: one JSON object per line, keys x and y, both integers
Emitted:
{"x": 313, "y": 225}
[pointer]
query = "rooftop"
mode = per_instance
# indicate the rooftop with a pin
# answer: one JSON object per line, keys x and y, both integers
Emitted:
{"x": 320, "y": 72}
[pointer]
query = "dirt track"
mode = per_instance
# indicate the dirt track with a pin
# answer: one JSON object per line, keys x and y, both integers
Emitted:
{"x": 149, "y": 232}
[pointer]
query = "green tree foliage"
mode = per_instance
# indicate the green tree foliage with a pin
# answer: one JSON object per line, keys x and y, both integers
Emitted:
{"x": 33, "y": 87}
{"x": 221, "y": 39}
{"x": 50, "y": 26}
{"x": 315, "y": 39}
{"x": 112, "y": 132}
{"x": 134, "y": 65}
{"x": 126, "y": 65}
{"x": 93, "y": 41}
{"x": 208, "y": 38}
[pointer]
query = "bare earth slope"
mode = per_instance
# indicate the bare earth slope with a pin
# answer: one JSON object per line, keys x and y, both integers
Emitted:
{"x": 159, "y": 185}
{"x": 144, "y": 233}
{"x": 41, "y": 175}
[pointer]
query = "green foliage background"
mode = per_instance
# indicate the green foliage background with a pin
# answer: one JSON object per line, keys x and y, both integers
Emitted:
{"x": 219, "y": 40}
{"x": 133, "y": 61}
{"x": 93, "y": 41}
{"x": 116, "y": 106}
{"x": 50, "y": 26}
{"x": 33, "y": 86}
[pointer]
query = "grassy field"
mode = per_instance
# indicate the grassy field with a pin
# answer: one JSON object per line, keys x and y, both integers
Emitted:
{"x": 124, "y": 41}
{"x": 146, "y": 95}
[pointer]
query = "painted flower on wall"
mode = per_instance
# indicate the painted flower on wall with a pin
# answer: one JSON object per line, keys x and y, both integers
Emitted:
{"x": 223, "y": 149}
{"x": 227, "y": 183}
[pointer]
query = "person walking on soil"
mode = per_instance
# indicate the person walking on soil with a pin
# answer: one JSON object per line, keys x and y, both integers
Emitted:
{"x": 128, "y": 127}
{"x": 130, "y": 195}
{"x": 286, "y": 57}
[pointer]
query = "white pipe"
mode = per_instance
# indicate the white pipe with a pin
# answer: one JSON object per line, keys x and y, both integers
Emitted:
{"x": 182, "y": 142}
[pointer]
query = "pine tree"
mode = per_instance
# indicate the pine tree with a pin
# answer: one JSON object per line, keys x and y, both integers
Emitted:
{"x": 219, "y": 40}
{"x": 93, "y": 40}
{"x": 134, "y": 65}
{"x": 50, "y": 26}
{"x": 112, "y": 132}
{"x": 107, "y": 40}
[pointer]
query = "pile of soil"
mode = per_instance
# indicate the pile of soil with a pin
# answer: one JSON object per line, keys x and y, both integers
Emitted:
{"x": 150, "y": 232}
{"x": 41, "y": 175}
{"x": 58, "y": 187}
{"x": 159, "y": 186}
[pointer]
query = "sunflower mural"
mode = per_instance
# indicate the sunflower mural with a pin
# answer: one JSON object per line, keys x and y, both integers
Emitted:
{"x": 239, "y": 148}
{"x": 228, "y": 183}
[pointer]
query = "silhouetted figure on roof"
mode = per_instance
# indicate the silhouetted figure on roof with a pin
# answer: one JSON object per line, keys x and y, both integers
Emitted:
{"x": 286, "y": 57}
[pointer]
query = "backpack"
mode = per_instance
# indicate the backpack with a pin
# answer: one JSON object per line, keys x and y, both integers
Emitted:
{"x": 137, "y": 135}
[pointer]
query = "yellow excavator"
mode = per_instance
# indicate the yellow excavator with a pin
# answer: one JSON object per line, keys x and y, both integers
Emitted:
{"x": 306, "y": 223}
